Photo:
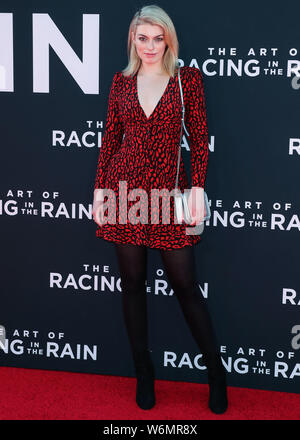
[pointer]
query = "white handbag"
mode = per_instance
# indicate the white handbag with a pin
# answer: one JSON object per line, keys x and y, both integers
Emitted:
{"x": 181, "y": 199}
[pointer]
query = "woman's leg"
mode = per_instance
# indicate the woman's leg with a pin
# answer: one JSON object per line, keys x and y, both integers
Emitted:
{"x": 133, "y": 270}
{"x": 180, "y": 269}
{"x": 132, "y": 261}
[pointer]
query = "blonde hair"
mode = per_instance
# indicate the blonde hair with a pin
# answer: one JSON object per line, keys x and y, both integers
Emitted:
{"x": 155, "y": 15}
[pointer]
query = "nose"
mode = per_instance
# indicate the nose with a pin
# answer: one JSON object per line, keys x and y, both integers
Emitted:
{"x": 150, "y": 44}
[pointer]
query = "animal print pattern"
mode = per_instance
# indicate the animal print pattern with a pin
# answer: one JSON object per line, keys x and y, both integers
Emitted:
{"x": 143, "y": 152}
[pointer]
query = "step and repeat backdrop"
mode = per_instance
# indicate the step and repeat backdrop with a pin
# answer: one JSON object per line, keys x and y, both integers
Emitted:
{"x": 60, "y": 284}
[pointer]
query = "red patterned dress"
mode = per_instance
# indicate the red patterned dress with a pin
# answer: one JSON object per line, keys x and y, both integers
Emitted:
{"x": 142, "y": 153}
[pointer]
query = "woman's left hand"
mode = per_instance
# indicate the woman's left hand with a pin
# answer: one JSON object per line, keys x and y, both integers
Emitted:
{"x": 196, "y": 205}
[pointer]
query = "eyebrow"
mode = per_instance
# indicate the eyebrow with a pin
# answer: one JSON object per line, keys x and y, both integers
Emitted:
{"x": 154, "y": 37}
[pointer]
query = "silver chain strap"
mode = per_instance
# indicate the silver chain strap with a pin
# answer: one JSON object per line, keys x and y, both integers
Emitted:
{"x": 182, "y": 126}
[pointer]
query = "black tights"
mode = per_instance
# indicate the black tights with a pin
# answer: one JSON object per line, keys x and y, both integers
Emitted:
{"x": 179, "y": 265}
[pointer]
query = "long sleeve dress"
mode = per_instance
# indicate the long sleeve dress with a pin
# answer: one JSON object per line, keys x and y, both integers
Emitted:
{"x": 142, "y": 153}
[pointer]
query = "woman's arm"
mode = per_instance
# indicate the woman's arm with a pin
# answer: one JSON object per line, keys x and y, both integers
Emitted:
{"x": 112, "y": 137}
{"x": 196, "y": 124}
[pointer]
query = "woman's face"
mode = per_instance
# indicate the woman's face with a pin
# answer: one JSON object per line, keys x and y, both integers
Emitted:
{"x": 150, "y": 43}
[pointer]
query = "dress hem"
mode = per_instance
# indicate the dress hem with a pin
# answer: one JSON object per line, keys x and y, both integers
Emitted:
{"x": 164, "y": 248}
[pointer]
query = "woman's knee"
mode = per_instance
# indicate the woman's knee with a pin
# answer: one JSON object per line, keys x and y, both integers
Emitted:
{"x": 186, "y": 289}
{"x": 133, "y": 285}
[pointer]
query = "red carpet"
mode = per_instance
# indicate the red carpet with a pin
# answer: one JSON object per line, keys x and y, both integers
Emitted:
{"x": 28, "y": 394}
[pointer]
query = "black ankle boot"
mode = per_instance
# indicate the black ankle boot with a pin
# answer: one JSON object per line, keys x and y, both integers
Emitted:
{"x": 216, "y": 375}
{"x": 145, "y": 392}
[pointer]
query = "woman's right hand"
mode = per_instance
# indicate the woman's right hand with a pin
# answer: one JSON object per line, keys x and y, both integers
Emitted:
{"x": 98, "y": 211}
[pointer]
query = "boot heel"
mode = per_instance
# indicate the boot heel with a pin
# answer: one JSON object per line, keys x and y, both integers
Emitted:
{"x": 145, "y": 375}
{"x": 216, "y": 374}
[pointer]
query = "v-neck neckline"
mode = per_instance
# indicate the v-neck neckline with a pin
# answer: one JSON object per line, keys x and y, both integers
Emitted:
{"x": 158, "y": 103}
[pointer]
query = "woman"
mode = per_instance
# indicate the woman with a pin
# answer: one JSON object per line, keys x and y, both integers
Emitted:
{"x": 139, "y": 149}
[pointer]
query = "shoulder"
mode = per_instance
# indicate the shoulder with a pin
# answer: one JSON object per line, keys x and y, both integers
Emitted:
{"x": 191, "y": 74}
{"x": 117, "y": 77}
{"x": 116, "y": 82}
{"x": 119, "y": 80}
{"x": 192, "y": 81}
